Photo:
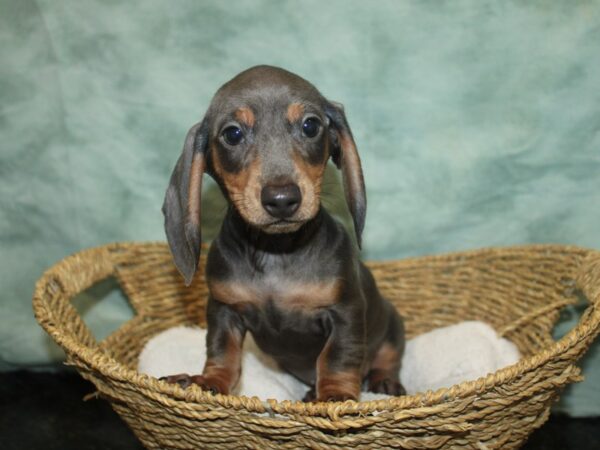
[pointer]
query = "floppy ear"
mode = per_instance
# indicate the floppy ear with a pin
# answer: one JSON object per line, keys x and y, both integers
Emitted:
{"x": 345, "y": 156}
{"x": 181, "y": 207}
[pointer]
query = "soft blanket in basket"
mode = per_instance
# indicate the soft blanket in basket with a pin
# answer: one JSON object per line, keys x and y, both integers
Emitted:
{"x": 439, "y": 358}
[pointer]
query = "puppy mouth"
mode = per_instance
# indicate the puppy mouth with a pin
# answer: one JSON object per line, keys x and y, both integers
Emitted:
{"x": 267, "y": 223}
{"x": 282, "y": 226}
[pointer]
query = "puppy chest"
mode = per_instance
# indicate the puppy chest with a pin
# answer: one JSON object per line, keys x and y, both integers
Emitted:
{"x": 279, "y": 292}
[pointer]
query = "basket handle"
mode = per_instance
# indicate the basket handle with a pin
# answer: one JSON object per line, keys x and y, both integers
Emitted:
{"x": 52, "y": 297}
{"x": 587, "y": 280}
{"x": 588, "y": 277}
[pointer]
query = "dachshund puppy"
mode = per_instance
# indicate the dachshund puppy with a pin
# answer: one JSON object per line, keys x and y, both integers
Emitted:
{"x": 281, "y": 267}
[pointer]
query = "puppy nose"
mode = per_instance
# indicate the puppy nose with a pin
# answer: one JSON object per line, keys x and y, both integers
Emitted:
{"x": 281, "y": 201}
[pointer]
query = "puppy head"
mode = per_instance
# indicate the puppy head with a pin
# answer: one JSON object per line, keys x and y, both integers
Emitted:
{"x": 266, "y": 139}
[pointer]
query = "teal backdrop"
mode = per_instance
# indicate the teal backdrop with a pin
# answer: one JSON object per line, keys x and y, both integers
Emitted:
{"x": 478, "y": 123}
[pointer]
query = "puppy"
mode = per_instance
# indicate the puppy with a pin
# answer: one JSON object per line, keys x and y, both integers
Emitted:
{"x": 281, "y": 267}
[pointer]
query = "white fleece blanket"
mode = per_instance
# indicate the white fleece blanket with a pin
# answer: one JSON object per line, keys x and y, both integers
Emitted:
{"x": 440, "y": 358}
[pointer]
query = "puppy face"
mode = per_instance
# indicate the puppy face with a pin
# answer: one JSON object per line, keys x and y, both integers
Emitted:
{"x": 265, "y": 139}
{"x": 268, "y": 148}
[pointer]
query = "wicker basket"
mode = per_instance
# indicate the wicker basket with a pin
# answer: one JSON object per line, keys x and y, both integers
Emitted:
{"x": 518, "y": 290}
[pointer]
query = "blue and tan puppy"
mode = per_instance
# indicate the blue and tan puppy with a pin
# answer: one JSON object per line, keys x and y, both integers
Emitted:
{"x": 281, "y": 267}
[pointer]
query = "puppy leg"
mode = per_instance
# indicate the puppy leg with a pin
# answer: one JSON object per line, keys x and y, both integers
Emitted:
{"x": 224, "y": 342}
{"x": 384, "y": 371}
{"x": 340, "y": 363}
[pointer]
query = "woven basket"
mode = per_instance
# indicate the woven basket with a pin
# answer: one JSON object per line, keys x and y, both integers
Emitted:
{"x": 518, "y": 290}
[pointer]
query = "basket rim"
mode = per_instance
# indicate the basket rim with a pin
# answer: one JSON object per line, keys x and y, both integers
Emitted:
{"x": 585, "y": 330}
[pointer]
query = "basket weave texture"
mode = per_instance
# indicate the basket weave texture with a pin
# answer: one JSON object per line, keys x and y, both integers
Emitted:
{"x": 518, "y": 290}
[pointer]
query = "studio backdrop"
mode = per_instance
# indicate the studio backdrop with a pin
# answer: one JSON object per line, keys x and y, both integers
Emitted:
{"x": 478, "y": 124}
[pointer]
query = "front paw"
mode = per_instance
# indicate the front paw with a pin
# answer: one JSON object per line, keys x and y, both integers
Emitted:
{"x": 182, "y": 379}
{"x": 335, "y": 393}
{"x": 311, "y": 396}
{"x": 340, "y": 397}
{"x": 387, "y": 386}
{"x": 205, "y": 383}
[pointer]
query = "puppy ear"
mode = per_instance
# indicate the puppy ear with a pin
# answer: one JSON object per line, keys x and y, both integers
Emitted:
{"x": 181, "y": 207}
{"x": 345, "y": 156}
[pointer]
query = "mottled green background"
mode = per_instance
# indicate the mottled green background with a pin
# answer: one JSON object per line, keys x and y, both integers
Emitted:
{"x": 477, "y": 121}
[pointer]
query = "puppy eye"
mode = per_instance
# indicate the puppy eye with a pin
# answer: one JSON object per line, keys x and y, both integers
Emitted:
{"x": 232, "y": 135}
{"x": 311, "y": 127}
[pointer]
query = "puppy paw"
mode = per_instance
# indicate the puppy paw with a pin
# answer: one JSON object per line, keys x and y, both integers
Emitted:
{"x": 337, "y": 398}
{"x": 182, "y": 379}
{"x": 205, "y": 383}
{"x": 387, "y": 386}
{"x": 310, "y": 396}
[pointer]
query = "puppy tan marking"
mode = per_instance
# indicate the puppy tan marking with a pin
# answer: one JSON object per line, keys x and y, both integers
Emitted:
{"x": 222, "y": 373}
{"x": 385, "y": 363}
{"x": 235, "y": 293}
{"x": 310, "y": 296}
{"x": 310, "y": 179}
{"x": 336, "y": 385}
{"x": 295, "y": 112}
{"x": 291, "y": 295}
{"x": 246, "y": 116}
{"x": 352, "y": 162}
{"x": 195, "y": 189}
{"x": 243, "y": 187}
